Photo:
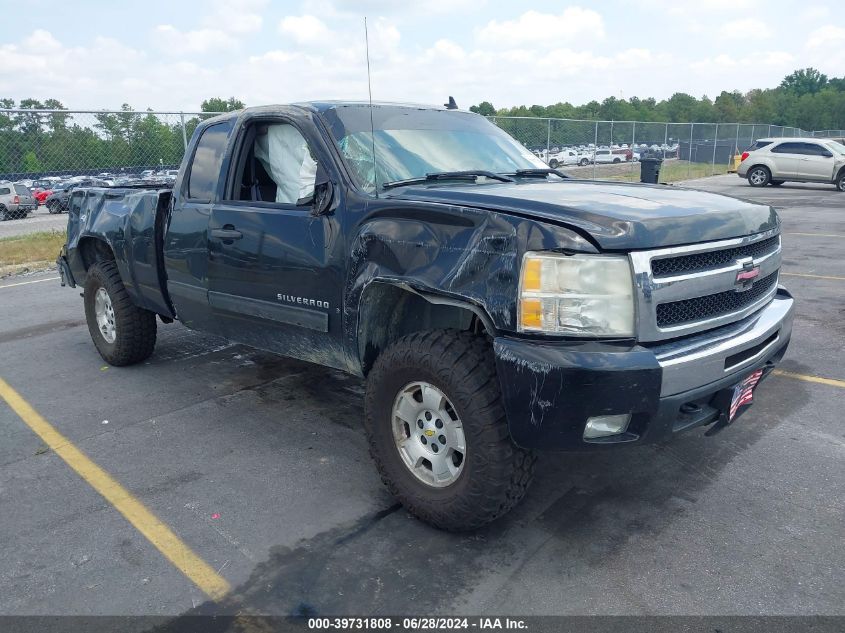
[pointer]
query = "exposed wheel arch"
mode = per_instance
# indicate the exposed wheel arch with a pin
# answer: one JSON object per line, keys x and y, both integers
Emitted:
{"x": 92, "y": 250}
{"x": 390, "y": 310}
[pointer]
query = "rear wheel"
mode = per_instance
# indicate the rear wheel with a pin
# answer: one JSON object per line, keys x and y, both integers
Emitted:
{"x": 438, "y": 433}
{"x": 553, "y": 163}
{"x": 584, "y": 162}
{"x": 840, "y": 181}
{"x": 122, "y": 332}
{"x": 759, "y": 176}
{"x": 617, "y": 160}
{"x": 4, "y": 213}
{"x": 53, "y": 207}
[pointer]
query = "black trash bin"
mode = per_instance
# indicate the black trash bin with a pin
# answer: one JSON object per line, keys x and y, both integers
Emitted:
{"x": 650, "y": 169}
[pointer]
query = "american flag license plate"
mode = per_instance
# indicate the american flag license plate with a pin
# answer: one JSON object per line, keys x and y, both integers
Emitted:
{"x": 744, "y": 393}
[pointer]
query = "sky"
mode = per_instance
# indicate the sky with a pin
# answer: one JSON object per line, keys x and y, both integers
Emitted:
{"x": 170, "y": 55}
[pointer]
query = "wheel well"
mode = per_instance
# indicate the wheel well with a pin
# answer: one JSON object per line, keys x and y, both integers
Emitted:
{"x": 387, "y": 312}
{"x": 760, "y": 165}
{"x": 92, "y": 250}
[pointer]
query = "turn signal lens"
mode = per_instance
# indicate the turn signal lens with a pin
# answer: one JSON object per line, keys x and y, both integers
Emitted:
{"x": 532, "y": 313}
{"x": 531, "y": 275}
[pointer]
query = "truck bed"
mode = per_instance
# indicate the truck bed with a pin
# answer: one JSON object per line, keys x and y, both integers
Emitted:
{"x": 130, "y": 221}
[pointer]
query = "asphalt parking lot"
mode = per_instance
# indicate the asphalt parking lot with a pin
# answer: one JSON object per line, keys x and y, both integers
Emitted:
{"x": 258, "y": 465}
{"x": 38, "y": 220}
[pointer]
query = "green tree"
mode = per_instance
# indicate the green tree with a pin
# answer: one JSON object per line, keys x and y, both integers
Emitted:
{"x": 484, "y": 108}
{"x": 217, "y": 104}
{"x": 804, "y": 81}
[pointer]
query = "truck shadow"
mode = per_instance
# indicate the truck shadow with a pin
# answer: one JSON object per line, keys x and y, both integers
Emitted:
{"x": 582, "y": 512}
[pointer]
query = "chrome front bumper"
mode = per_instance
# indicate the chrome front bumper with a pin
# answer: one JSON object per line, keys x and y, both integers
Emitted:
{"x": 699, "y": 360}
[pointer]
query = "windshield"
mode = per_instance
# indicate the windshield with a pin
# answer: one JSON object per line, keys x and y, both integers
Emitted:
{"x": 411, "y": 143}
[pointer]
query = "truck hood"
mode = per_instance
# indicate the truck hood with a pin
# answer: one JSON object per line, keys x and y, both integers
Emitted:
{"x": 617, "y": 216}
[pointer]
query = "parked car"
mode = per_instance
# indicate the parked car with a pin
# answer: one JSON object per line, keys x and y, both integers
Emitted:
{"x": 16, "y": 201}
{"x": 774, "y": 161}
{"x": 568, "y": 157}
{"x": 41, "y": 195}
{"x": 606, "y": 156}
{"x": 494, "y": 312}
{"x": 57, "y": 201}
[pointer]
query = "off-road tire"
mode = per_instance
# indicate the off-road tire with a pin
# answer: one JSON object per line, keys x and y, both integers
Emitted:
{"x": 765, "y": 179}
{"x": 496, "y": 473}
{"x": 135, "y": 328}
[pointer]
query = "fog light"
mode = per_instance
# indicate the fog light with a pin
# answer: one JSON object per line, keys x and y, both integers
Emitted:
{"x": 606, "y": 425}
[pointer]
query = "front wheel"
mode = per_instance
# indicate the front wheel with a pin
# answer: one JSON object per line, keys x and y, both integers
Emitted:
{"x": 840, "y": 181}
{"x": 759, "y": 176}
{"x": 53, "y": 208}
{"x": 553, "y": 163}
{"x": 438, "y": 434}
{"x": 122, "y": 332}
{"x": 584, "y": 162}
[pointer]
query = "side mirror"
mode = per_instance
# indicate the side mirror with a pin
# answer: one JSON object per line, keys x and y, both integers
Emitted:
{"x": 324, "y": 194}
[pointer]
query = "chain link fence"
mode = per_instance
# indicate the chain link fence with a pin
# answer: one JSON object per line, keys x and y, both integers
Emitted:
{"x": 36, "y": 144}
{"x": 611, "y": 149}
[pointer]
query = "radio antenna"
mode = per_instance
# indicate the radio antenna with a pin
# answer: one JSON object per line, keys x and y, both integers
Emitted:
{"x": 370, "y": 91}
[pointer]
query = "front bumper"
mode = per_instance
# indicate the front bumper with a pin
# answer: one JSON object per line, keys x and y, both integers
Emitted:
{"x": 550, "y": 389}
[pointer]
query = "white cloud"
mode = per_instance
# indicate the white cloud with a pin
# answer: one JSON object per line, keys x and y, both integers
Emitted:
{"x": 747, "y": 29}
{"x": 826, "y": 36}
{"x": 305, "y": 29}
{"x": 177, "y": 42}
{"x": 236, "y": 16}
{"x": 534, "y": 28}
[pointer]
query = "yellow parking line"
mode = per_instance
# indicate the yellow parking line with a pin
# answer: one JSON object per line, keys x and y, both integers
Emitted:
{"x": 816, "y": 234}
{"x": 832, "y": 382}
{"x": 156, "y": 532}
{"x": 812, "y": 276}
{"x": 26, "y": 283}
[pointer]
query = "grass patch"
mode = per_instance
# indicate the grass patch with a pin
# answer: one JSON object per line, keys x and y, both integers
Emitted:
{"x": 675, "y": 170}
{"x": 34, "y": 248}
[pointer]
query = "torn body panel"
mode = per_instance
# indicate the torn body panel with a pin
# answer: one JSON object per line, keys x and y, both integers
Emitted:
{"x": 127, "y": 225}
{"x": 470, "y": 257}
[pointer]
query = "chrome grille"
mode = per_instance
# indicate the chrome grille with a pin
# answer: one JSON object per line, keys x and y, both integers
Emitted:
{"x": 670, "y": 266}
{"x": 686, "y": 289}
{"x": 709, "y": 306}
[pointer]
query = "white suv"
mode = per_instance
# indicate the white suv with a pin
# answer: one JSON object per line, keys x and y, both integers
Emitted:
{"x": 773, "y": 161}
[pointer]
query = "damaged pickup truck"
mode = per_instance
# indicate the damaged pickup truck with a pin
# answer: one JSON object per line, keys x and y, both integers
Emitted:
{"x": 495, "y": 307}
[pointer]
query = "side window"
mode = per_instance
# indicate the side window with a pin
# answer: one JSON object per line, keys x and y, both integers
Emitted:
{"x": 788, "y": 148}
{"x": 814, "y": 149}
{"x": 276, "y": 165}
{"x": 5, "y": 191}
{"x": 205, "y": 167}
{"x": 759, "y": 145}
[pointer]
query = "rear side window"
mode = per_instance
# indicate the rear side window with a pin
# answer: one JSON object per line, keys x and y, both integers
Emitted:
{"x": 22, "y": 190}
{"x": 759, "y": 145}
{"x": 789, "y": 148}
{"x": 208, "y": 157}
{"x": 5, "y": 191}
{"x": 814, "y": 149}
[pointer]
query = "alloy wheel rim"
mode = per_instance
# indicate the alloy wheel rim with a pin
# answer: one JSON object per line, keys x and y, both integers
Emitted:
{"x": 104, "y": 312}
{"x": 758, "y": 177}
{"x": 428, "y": 434}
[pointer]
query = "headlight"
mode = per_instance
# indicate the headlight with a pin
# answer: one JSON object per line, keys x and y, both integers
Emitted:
{"x": 576, "y": 295}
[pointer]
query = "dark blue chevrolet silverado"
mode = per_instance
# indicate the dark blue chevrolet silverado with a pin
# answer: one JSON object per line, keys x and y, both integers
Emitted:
{"x": 495, "y": 306}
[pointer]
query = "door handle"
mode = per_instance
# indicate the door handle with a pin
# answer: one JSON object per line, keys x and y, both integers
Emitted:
{"x": 228, "y": 232}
